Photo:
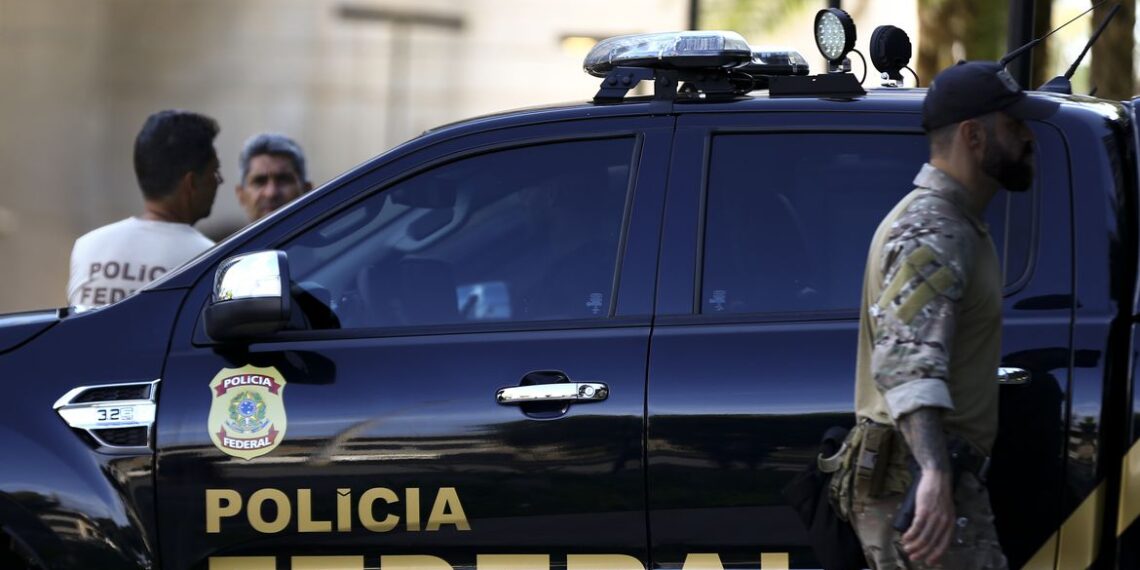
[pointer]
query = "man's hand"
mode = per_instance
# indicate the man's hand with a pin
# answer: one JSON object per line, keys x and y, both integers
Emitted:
{"x": 933, "y": 527}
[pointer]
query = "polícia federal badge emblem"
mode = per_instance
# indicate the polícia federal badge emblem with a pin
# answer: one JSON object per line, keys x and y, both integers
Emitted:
{"x": 247, "y": 413}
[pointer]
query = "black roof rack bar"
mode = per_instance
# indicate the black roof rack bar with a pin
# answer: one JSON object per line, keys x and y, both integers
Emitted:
{"x": 620, "y": 80}
{"x": 720, "y": 84}
{"x": 838, "y": 85}
{"x": 670, "y": 85}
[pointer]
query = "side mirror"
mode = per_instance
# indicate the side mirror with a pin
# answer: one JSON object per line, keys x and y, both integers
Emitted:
{"x": 251, "y": 296}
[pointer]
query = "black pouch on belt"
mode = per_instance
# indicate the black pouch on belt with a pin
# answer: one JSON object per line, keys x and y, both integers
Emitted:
{"x": 830, "y": 534}
{"x": 873, "y": 460}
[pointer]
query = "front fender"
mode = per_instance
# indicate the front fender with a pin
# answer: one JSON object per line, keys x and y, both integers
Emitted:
{"x": 73, "y": 502}
{"x": 70, "y": 506}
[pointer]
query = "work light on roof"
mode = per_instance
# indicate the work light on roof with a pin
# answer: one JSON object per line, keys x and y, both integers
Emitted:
{"x": 890, "y": 53}
{"x": 834, "y": 34}
{"x": 674, "y": 50}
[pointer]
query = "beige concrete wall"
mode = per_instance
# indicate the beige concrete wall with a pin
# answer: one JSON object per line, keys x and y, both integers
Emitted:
{"x": 519, "y": 44}
{"x": 51, "y": 124}
{"x": 81, "y": 76}
{"x": 293, "y": 66}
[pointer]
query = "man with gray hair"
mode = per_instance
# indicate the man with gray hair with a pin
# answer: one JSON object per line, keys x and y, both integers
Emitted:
{"x": 272, "y": 174}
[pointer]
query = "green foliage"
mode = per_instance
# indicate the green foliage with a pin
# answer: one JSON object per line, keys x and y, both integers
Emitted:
{"x": 977, "y": 27}
{"x": 749, "y": 17}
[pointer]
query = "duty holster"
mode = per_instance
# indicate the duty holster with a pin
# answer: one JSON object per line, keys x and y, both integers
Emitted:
{"x": 832, "y": 539}
{"x": 861, "y": 467}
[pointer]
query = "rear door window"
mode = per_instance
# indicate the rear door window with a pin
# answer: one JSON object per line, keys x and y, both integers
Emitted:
{"x": 789, "y": 217}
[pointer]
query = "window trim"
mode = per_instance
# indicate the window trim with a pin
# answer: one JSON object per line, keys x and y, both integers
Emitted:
{"x": 1034, "y": 240}
{"x": 772, "y": 317}
{"x": 472, "y": 328}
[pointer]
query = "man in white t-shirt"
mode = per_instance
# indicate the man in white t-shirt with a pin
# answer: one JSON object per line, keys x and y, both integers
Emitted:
{"x": 178, "y": 171}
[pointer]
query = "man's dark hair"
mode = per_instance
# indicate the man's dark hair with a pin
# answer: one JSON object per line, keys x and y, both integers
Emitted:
{"x": 941, "y": 137}
{"x": 170, "y": 144}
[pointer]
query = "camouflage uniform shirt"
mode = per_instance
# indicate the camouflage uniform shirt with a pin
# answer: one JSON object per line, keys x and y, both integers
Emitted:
{"x": 930, "y": 321}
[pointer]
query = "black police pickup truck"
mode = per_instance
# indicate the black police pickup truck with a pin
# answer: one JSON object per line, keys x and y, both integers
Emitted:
{"x": 595, "y": 336}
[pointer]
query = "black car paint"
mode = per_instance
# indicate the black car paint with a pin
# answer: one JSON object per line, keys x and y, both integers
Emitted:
{"x": 1060, "y": 325}
{"x": 19, "y": 328}
{"x": 71, "y": 505}
{"x": 525, "y": 499}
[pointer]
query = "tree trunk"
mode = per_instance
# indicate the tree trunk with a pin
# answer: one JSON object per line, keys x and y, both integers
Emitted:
{"x": 1112, "y": 53}
{"x": 1042, "y": 23}
{"x": 953, "y": 29}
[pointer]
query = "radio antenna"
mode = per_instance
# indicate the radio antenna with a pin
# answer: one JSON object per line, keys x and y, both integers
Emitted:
{"x": 1061, "y": 83}
{"x": 1004, "y": 61}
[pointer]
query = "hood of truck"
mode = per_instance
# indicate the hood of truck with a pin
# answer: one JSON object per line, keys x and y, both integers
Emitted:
{"x": 18, "y": 328}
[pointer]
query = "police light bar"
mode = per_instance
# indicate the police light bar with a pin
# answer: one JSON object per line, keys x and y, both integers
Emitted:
{"x": 674, "y": 50}
{"x": 775, "y": 61}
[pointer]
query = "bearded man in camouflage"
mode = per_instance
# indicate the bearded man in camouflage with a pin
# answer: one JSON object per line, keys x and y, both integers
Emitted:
{"x": 930, "y": 326}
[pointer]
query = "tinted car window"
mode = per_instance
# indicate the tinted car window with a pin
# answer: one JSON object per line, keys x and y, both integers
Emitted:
{"x": 789, "y": 217}
{"x": 526, "y": 234}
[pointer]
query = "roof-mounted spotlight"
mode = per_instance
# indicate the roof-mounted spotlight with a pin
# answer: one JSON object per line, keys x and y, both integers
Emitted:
{"x": 890, "y": 54}
{"x": 834, "y": 36}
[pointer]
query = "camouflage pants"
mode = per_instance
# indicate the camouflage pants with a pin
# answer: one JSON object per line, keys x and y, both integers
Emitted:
{"x": 975, "y": 542}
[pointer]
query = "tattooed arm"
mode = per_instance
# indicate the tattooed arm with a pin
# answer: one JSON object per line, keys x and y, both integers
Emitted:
{"x": 933, "y": 527}
{"x": 924, "y": 269}
{"x": 922, "y": 429}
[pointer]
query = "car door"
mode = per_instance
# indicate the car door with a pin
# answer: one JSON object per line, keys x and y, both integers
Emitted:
{"x": 768, "y": 221}
{"x": 503, "y": 259}
{"x": 1128, "y": 529}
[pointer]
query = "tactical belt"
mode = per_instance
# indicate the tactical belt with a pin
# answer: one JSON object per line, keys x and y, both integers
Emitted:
{"x": 968, "y": 459}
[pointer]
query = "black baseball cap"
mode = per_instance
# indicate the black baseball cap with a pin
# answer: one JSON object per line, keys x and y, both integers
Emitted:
{"x": 974, "y": 88}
